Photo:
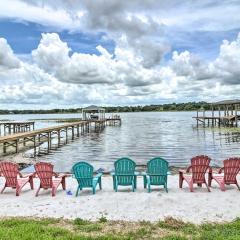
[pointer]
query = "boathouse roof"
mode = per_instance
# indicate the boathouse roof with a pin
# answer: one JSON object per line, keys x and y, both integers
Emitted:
{"x": 93, "y": 108}
{"x": 227, "y": 102}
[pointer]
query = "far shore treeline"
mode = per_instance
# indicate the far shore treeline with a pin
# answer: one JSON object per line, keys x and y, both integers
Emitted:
{"x": 190, "y": 106}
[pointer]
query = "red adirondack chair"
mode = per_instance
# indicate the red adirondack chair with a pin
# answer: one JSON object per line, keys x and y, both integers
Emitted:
{"x": 48, "y": 178}
{"x": 231, "y": 169}
{"x": 14, "y": 178}
{"x": 198, "y": 168}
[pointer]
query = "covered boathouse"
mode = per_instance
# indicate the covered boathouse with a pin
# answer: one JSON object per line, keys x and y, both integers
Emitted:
{"x": 222, "y": 114}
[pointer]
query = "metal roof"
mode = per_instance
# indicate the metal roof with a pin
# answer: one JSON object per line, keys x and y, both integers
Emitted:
{"x": 93, "y": 108}
{"x": 227, "y": 102}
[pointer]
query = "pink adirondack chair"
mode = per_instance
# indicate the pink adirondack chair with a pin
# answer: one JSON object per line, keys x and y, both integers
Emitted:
{"x": 198, "y": 168}
{"x": 231, "y": 169}
{"x": 48, "y": 178}
{"x": 14, "y": 178}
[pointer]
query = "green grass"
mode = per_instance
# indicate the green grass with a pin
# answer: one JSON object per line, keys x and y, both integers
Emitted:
{"x": 170, "y": 229}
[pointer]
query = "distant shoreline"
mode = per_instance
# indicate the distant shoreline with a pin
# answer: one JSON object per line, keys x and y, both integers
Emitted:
{"x": 172, "y": 107}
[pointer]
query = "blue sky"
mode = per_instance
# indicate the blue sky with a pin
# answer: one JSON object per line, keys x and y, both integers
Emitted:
{"x": 25, "y": 36}
{"x": 118, "y": 53}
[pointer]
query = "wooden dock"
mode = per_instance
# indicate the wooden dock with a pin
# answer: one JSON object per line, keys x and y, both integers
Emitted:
{"x": 223, "y": 113}
{"x": 114, "y": 120}
{"x": 218, "y": 121}
{"x": 37, "y": 137}
{"x": 15, "y": 127}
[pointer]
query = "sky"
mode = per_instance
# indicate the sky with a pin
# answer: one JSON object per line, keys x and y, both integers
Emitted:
{"x": 73, "y": 53}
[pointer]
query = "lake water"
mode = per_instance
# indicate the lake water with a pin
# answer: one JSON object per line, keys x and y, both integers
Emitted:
{"x": 171, "y": 135}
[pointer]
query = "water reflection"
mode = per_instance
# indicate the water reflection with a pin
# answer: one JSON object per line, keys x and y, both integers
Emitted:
{"x": 143, "y": 136}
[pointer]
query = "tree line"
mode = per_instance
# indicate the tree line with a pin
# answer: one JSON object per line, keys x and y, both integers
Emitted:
{"x": 190, "y": 106}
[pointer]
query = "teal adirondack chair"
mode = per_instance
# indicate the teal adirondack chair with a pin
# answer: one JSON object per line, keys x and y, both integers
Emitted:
{"x": 83, "y": 172}
{"x": 157, "y": 172}
{"x": 124, "y": 173}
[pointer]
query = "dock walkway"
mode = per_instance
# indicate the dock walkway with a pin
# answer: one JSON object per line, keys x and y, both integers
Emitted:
{"x": 67, "y": 131}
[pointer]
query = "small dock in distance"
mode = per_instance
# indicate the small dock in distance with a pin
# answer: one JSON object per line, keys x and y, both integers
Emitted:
{"x": 223, "y": 114}
{"x": 15, "y": 127}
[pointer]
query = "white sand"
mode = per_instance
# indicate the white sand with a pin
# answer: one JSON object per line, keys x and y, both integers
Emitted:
{"x": 196, "y": 207}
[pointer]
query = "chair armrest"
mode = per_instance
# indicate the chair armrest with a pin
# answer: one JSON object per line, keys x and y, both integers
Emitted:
{"x": 221, "y": 170}
{"x": 98, "y": 175}
{"x": 61, "y": 175}
{"x": 27, "y": 175}
{"x": 188, "y": 169}
{"x": 182, "y": 171}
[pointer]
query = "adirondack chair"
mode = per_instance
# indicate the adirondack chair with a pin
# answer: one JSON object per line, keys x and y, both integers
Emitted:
{"x": 199, "y": 167}
{"x": 157, "y": 170}
{"x": 231, "y": 169}
{"x": 14, "y": 178}
{"x": 124, "y": 173}
{"x": 48, "y": 178}
{"x": 83, "y": 172}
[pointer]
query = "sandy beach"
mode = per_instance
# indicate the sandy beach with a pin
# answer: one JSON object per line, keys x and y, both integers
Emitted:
{"x": 198, "y": 207}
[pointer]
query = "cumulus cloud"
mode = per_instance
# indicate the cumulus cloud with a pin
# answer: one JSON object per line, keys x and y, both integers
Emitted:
{"x": 51, "y": 53}
{"x": 136, "y": 71}
{"x": 227, "y": 64}
{"x": 191, "y": 66}
{"x": 7, "y": 58}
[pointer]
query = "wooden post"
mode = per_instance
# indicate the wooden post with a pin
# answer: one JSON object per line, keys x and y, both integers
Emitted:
{"x": 59, "y": 137}
{"x": 212, "y": 116}
{"x": 4, "y": 147}
{"x": 66, "y": 135}
{"x": 48, "y": 136}
{"x": 236, "y": 116}
{"x": 73, "y": 132}
{"x": 78, "y": 130}
{"x": 34, "y": 146}
{"x": 17, "y": 145}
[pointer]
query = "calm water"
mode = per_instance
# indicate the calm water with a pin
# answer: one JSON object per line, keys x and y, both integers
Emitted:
{"x": 142, "y": 136}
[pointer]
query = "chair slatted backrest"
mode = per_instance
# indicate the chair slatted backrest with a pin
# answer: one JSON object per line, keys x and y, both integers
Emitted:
{"x": 10, "y": 172}
{"x": 45, "y": 174}
{"x": 231, "y": 169}
{"x": 124, "y": 171}
{"x": 83, "y": 172}
{"x": 200, "y": 165}
{"x": 157, "y": 169}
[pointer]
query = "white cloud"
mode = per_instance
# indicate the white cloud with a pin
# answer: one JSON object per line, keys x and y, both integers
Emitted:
{"x": 7, "y": 58}
{"x": 134, "y": 72}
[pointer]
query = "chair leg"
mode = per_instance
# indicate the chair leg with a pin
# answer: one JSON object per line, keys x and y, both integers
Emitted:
{"x": 77, "y": 191}
{"x": 222, "y": 186}
{"x": 180, "y": 180}
{"x": 3, "y": 188}
{"x": 135, "y": 182}
{"x": 165, "y": 186}
{"x": 190, "y": 186}
{"x": 144, "y": 181}
{"x": 149, "y": 187}
{"x": 94, "y": 189}
{"x": 238, "y": 185}
{"x": 64, "y": 183}
{"x": 207, "y": 187}
{"x": 54, "y": 191}
{"x": 18, "y": 190}
{"x": 31, "y": 182}
{"x": 114, "y": 183}
{"x": 133, "y": 186}
{"x": 210, "y": 179}
{"x": 100, "y": 183}
{"x": 37, "y": 192}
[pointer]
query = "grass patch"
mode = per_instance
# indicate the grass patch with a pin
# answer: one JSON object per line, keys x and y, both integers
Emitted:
{"x": 170, "y": 229}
